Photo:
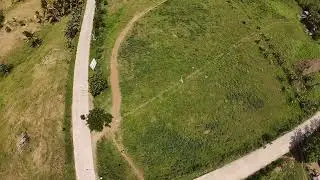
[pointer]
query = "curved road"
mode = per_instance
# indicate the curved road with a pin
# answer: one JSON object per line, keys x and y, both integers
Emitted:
{"x": 258, "y": 159}
{"x": 82, "y": 146}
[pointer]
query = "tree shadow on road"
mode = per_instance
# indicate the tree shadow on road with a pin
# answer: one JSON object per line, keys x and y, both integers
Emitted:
{"x": 298, "y": 139}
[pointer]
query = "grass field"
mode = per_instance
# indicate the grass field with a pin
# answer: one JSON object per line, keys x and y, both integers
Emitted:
{"x": 111, "y": 165}
{"x": 197, "y": 90}
{"x": 34, "y": 98}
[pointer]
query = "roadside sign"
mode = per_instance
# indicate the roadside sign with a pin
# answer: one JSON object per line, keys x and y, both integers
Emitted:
{"x": 93, "y": 64}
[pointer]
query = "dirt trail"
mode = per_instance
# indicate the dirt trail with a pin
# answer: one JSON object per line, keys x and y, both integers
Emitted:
{"x": 116, "y": 94}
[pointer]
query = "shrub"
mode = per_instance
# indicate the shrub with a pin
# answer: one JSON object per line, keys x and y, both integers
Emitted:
{"x": 2, "y": 18}
{"x": 97, "y": 84}
{"x": 73, "y": 26}
{"x": 311, "y": 147}
{"x": 98, "y": 119}
{"x": 5, "y": 69}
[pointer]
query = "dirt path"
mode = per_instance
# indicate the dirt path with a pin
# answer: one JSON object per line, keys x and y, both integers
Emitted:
{"x": 113, "y": 132}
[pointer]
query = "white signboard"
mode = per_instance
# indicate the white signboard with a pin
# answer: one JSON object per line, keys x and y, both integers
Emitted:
{"x": 93, "y": 64}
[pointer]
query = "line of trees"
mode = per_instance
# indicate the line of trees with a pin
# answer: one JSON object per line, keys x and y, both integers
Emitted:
{"x": 97, "y": 81}
{"x": 53, "y": 11}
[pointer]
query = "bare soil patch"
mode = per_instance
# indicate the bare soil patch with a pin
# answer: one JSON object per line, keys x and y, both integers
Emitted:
{"x": 308, "y": 66}
{"x": 24, "y": 12}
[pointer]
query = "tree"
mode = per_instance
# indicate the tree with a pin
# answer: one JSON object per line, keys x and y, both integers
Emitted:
{"x": 311, "y": 147}
{"x": 98, "y": 119}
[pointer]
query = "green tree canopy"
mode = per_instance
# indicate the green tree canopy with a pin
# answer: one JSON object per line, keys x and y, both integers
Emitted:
{"x": 98, "y": 119}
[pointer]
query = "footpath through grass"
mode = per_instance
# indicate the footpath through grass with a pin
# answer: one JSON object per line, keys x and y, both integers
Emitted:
{"x": 33, "y": 99}
{"x": 115, "y": 15}
{"x": 202, "y": 84}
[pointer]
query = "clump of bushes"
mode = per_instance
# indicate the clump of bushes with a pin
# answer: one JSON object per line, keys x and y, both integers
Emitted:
{"x": 2, "y": 18}
{"x": 54, "y": 10}
{"x": 97, "y": 83}
{"x": 5, "y": 69}
{"x": 98, "y": 119}
{"x": 73, "y": 26}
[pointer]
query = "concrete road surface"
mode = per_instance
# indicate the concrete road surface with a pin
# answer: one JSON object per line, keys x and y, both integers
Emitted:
{"x": 82, "y": 147}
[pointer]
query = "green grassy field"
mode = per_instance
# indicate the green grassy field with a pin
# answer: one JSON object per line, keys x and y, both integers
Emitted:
{"x": 111, "y": 165}
{"x": 35, "y": 97}
{"x": 197, "y": 90}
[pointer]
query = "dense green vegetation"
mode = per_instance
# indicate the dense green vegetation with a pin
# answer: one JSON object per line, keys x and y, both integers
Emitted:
{"x": 282, "y": 169}
{"x": 97, "y": 80}
{"x": 97, "y": 83}
{"x": 206, "y": 82}
{"x": 111, "y": 165}
{"x": 311, "y": 148}
{"x": 97, "y": 119}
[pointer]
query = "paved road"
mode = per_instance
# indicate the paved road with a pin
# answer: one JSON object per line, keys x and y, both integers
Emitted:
{"x": 256, "y": 160}
{"x": 82, "y": 147}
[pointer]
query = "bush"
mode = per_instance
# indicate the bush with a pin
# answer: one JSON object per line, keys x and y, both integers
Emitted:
{"x": 97, "y": 84}
{"x": 311, "y": 147}
{"x": 98, "y": 119}
{"x": 5, "y": 69}
{"x": 2, "y": 18}
{"x": 73, "y": 26}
